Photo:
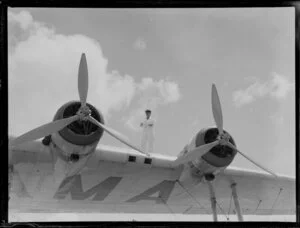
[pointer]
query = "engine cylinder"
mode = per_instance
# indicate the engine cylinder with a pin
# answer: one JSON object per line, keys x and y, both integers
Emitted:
{"x": 79, "y": 132}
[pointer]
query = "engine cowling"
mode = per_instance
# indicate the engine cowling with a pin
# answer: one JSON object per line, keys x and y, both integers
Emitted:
{"x": 218, "y": 156}
{"x": 81, "y": 133}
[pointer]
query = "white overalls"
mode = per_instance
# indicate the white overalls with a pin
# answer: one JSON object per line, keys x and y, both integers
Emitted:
{"x": 147, "y": 135}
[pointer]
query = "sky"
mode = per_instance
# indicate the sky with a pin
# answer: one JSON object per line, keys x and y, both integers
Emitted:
{"x": 165, "y": 60}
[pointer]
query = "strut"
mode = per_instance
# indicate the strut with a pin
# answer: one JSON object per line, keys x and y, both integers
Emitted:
{"x": 213, "y": 201}
{"x": 236, "y": 202}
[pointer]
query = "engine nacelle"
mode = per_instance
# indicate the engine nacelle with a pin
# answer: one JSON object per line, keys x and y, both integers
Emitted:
{"x": 211, "y": 163}
{"x": 78, "y": 138}
{"x": 218, "y": 158}
{"x": 76, "y": 133}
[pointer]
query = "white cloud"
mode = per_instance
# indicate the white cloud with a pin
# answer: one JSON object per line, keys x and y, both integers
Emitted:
{"x": 140, "y": 44}
{"x": 117, "y": 91}
{"x": 169, "y": 91}
{"x": 152, "y": 94}
{"x": 278, "y": 87}
{"x": 43, "y": 67}
{"x": 23, "y": 19}
{"x": 134, "y": 119}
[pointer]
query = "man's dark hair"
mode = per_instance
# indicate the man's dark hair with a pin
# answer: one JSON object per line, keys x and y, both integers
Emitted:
{"x": 148, "y": 111}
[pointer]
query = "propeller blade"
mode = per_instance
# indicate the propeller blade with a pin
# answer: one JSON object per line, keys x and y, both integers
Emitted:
{"x": 83, "y": 80}
{"x": 44, "y": 130}
{"x": 115, "y": 134}
{"x": 195, "y": 153}
{"x": 216, "y": 109}
{"x": 254, "y": 162}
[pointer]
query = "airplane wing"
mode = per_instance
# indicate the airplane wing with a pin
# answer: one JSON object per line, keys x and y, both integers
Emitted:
{"x": 258, "y": 193}
{"x": 124, "y": 181}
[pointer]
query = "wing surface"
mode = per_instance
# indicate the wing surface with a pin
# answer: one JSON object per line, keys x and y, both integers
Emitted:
{"x": 111, "y": 183}
{"x": 258, "y": 193}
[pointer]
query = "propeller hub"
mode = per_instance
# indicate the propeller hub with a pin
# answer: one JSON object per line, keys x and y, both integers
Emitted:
{"x": 84, "y": 112}
{"x": 223, "y": 138}
{"x": 79, "y": 132}
{"x": 222, "y": 150}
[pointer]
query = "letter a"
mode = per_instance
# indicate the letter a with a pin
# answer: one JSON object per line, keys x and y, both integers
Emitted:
{"x": 164, "y": 190}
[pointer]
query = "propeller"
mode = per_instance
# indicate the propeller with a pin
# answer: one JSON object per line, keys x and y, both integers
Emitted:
{"x": 83, "y": 114}
{"x": 83, "y": 80}
{"x": 216, "y": 109}
{"x": 254, "y": 162}
{"x": 196, "y": 153}
{"x": 44, "y": 130}
{"x": 222, "y": 139}
{"x": 114, "y": 133}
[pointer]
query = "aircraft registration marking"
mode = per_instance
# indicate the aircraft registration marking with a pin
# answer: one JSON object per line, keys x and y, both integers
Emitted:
{"x": 159, "y": 193}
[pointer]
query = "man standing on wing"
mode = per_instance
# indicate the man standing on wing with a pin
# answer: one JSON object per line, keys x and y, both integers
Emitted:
{"x": 148, "y": 133}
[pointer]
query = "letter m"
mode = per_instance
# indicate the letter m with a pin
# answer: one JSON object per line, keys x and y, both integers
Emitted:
{"x": 73, "y": 185}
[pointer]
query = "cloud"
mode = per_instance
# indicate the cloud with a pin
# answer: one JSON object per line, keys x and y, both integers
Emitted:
{"x": 134, "y": 119}
{"x": 23, "y": 19}
{"x": 140, "y": 44}
{"x": 117, "y": 92}
{"x": 43, "y": 67}
{"x": 152, "y": 94}
{"x": 278, "y": 87}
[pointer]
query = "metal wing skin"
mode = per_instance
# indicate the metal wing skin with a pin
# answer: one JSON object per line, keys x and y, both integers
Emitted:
{"x": 258, "y": 193}
{"x": 110, "y": 183}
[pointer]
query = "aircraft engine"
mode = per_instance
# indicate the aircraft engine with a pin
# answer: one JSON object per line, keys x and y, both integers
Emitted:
{"x": 219, "y": 155}
{"x": 81, "y": 133}
{"x": 212, "y": 149}
{"x": 77, "y": 126}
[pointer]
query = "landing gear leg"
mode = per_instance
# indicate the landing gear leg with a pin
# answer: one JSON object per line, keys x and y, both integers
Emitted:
{"x": 213, "y": 201}
{"x": 236, "y": 202}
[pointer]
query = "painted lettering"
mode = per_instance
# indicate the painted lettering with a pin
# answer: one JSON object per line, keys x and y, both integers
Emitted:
{"x": 163, "y": 189}
{"x": 73, "y": 185}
